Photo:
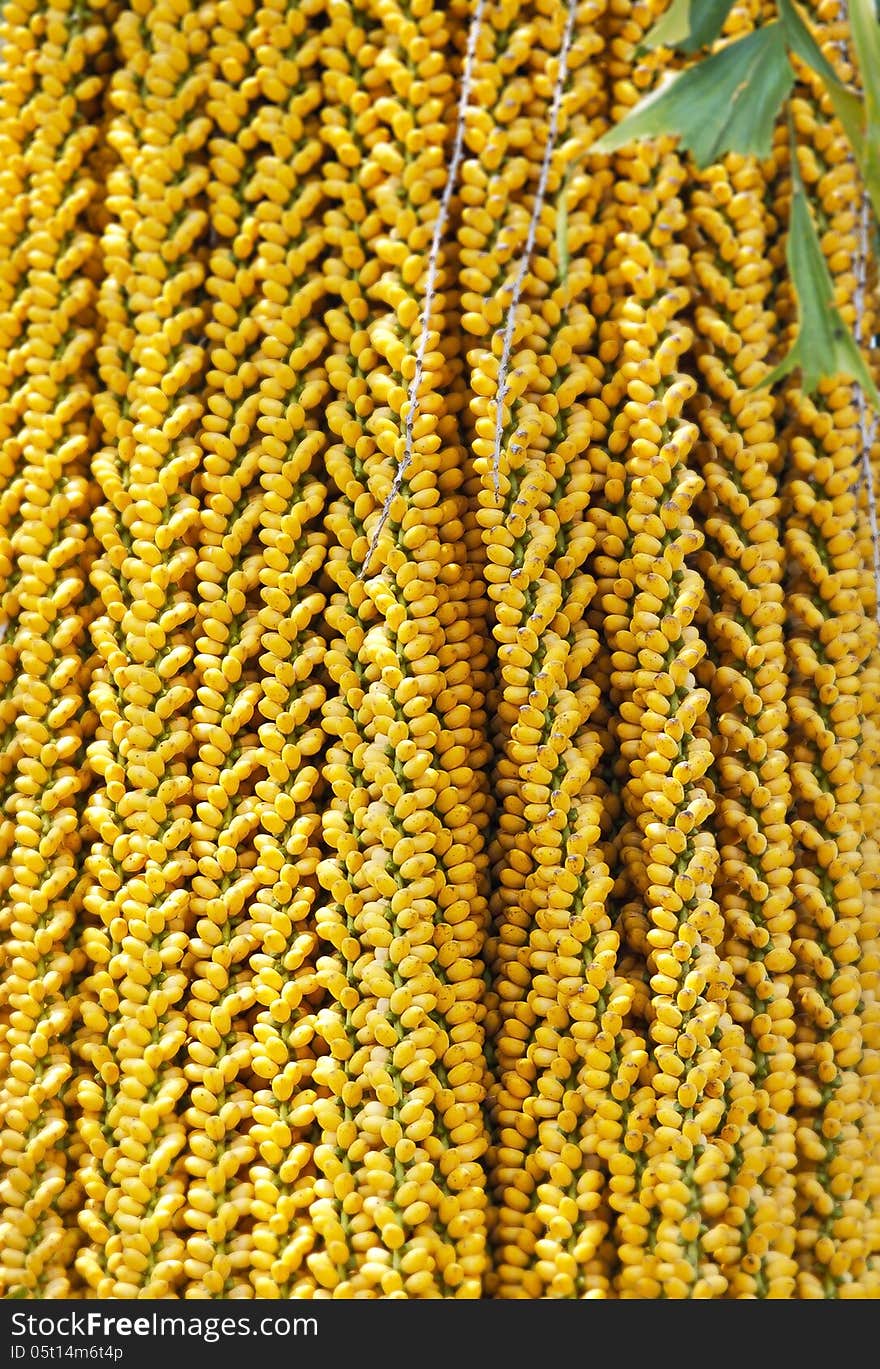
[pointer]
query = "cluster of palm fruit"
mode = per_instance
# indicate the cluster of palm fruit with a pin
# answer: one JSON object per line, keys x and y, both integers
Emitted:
{"x": 440, "y": 689}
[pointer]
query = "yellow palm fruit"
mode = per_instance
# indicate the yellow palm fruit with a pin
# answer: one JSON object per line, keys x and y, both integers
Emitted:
{"x": 265, "y": 404}
{"x": 27, "y": 138}
{"x": 863, "y": 320}
{"x": 43, "y": 144}
{"x": 9, "y": 755}
{"x": 467, "y": 650}
{"x": 19, "y": 92}
{"x": 286, "y": 983}
{"x": 401, "y": 931}
{"x": 614, "y": 187}
{"x": 258, "y": 386}
{"x": 869, "y": 938}
{"x": 667, "y": 756}
{"x": 47, "y": 505}
{"x": 869, "y": 755}
{"x": 742, "y": 566}
{"x": 45, "y": 903}
{"x": 439, "y": 696}
{"x": 140, "y": 865}
{"x": 830, "y": 633}
{"x": 500, "y": 84}
{"x": 553, "y": 949}
{"x": 650, "y": 593}
{"x": 630, "y": 191}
